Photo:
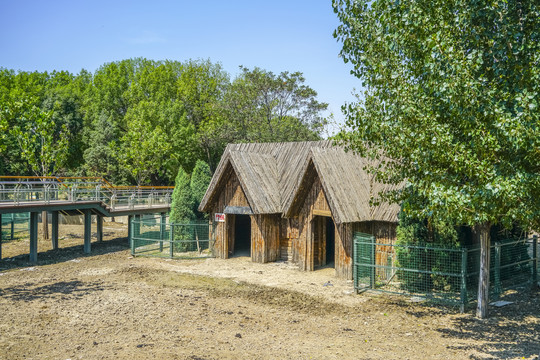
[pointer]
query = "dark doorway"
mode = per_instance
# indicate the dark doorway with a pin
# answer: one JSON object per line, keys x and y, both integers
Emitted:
{"x": 324, "y": 243}
{"x": 242, "y": 235}
{"x": 330, "y": 242}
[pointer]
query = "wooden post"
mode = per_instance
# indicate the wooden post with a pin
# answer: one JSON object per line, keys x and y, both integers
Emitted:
{"x": 33, "y": 236}
{"x": 87, "y": 231}
{"x": 482, "y": 231}
{"x": 535, "y": 261}
{"x": 463, "y": 297}
{"x": 99, "y": 228}
{"x": 54, "y": 233}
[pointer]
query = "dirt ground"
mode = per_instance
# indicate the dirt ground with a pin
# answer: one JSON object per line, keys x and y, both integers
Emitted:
{"x": 110, "y": 305}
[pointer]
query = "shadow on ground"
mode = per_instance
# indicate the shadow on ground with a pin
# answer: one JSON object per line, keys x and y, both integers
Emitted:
{"x": 512, "y": 331}
{"x": 62, "y": 289}
{"x": 65, "y": 254}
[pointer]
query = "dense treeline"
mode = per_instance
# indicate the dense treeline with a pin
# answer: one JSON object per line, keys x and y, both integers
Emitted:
{"x": 138, "y": 121}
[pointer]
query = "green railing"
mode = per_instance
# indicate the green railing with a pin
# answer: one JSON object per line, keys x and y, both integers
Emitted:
{"x": 442, "y": 274}
{"x": 14, "y": 224}
{"x": 153, "y": 235}
{"x": 27, "y": 189}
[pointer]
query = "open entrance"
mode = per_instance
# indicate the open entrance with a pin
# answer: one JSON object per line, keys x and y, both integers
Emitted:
{"x": 242, "y": 235}
{"x": 323, "y": 242}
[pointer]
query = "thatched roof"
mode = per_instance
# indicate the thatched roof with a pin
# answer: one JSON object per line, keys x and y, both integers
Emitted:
{"x": 348, "y": 187}
{"x": 276, "y": 176}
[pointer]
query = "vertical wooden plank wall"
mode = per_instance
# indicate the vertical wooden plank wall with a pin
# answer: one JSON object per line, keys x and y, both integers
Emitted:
{"x": 309, "y": 251}
{"x": 344, "y": 263}
{"x": 233, "y": 195}
{"x": 265, "y": 236}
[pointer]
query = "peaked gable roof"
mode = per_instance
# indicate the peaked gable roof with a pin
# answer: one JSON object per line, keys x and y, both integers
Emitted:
{"x": 276, "y": 176}
{"x": 266, "y": 171}
{"x": 348, "y": 187}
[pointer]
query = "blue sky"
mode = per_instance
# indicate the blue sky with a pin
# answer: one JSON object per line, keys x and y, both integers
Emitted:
{"x": 294, "y": 35}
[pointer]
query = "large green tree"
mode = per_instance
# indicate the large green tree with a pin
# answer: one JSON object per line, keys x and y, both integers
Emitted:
{"x": 145, "y": 144}
{"x": 139, "y": 120}
{"x": 451, "y": 96}
{"x": 263, "y": 106}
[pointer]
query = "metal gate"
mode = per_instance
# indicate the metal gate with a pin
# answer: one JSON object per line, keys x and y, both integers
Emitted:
{"x": 364, "y": 261}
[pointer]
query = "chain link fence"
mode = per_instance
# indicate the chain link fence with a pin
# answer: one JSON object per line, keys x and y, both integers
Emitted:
{"x": 153, "y": 235}
{"x": 442, "y": 274}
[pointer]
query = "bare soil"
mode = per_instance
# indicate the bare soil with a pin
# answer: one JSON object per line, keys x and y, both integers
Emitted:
{"x": 110, "y": 305}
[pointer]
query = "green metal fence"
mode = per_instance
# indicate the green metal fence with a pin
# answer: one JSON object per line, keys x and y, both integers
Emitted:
{"x": 442, "y": 274}
{"x": 154, "y": 236}
{"x": 15, "y": 225}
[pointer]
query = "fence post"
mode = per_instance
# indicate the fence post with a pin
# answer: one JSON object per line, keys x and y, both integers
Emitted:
{"x": 372, "y": 263}
{"x": 497, "y": 271}
{"x": 535, "y": 261}
{"x": 355, "y": 264}
{"x": 171, "y": 237}
{"x": 162, "y": 231}
{"x": 131, "y": 229}
{"x": 463, "y": 297}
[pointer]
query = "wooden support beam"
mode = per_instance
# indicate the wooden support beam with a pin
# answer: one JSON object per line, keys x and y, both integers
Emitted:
{"x": 99, "y": 228}
{"x": 322, "y": 213}
{"x": 54, "y": 234}
{"x": 87, "y": 231}
{"x": 33, "y": 236}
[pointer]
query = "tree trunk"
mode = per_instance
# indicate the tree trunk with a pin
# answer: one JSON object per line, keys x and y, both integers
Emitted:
{"x": 45, "y": 223}
{"x": 482, "y": 232}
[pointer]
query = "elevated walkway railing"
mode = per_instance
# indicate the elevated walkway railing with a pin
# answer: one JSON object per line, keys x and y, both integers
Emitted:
{"x": 17, "y": 190}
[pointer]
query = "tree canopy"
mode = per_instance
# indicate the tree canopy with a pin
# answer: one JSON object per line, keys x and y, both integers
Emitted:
{"x": 451, "y": 99}
{"x": 137, "y": 121}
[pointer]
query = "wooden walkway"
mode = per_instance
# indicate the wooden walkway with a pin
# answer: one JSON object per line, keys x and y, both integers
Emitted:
{"x": 85, "y": 208}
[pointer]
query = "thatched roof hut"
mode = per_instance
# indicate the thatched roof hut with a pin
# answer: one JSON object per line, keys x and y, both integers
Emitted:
{"x": 294, "y": 195}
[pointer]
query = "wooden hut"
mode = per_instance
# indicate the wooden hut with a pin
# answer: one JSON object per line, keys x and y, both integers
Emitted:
{"x": 298, "y": 201}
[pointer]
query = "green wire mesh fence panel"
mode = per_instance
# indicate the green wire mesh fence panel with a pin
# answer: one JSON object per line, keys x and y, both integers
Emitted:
{"x": 15, "y": 225}
{"x": 155, "y": 236}
{"x": 364, "y": 261}
{"x": 442, "y": 274}
{"x": 426, "y": 271}
{"x": 513, "y": 265}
